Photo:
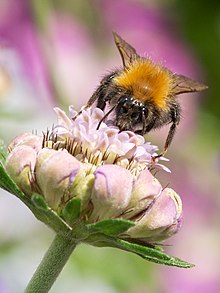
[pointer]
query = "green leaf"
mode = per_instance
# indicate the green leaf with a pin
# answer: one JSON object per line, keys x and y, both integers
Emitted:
{"x": 39, "y": 201}
{"x": 170, "y": 261}
{"x": 152, "y": 254}
{"x": 112, "y": 226}
{"x": 3, "y": 151}
{"x": 72, "y": 210}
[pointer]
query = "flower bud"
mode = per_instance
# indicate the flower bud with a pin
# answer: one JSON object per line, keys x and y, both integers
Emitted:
{"x": 161, "y": 220}
{"x": 112, "y": 191}
{"x": 27, "y": 139}
{"x": 20, "y": 165}
{"x": 55, "y": 173}
{"x": 146, "y": 188}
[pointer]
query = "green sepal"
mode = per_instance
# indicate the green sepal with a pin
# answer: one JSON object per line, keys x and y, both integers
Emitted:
{"x": 72, "y": 211}
{"x": 39, "y": 201}
{"x": 112, "y": 226}
{"x": 48, "y": 216}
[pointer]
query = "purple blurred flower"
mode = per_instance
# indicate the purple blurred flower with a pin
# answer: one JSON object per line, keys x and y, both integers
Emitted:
{"x": 107, "y": 169}
{"x": 149, "y": 29}
{"x": 52, "y": 55}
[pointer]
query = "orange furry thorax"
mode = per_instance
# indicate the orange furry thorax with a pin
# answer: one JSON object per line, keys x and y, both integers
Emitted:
{"x": 147, "y": 81}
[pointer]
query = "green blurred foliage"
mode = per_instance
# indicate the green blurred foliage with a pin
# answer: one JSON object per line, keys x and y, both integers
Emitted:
{"x": 115, "y": 268}
{"x": 200, "y": 24}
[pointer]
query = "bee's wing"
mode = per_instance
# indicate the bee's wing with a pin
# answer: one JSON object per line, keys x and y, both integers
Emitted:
{"x": 127, "y": 52}
{"x": 183, "y": 84}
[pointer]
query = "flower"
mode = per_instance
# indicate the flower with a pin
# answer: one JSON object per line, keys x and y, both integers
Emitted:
{"x": 106, "y": 145}
{"x": 108, "y": 170}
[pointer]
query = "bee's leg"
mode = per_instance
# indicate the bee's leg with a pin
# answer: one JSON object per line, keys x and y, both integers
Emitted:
{"x": 144, "y": 121}
{"x": 101, "y": 102}
{"x": 169, "y": 137}
{"x": 168, "y": 141}
{"x": 146, "y": 128}
{"x": 175, "y": 119}
{"x": 97, "y": 94}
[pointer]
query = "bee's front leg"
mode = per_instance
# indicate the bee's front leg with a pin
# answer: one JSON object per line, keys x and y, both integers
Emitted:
{"x": 90, "y": 102}
{"x": 175, "y": 119}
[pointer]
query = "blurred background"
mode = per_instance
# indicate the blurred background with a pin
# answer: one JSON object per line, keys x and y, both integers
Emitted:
{"x": 53, "y": 53}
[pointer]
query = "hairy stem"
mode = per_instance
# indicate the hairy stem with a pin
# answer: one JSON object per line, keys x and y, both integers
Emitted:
{"x": 51, "y": 265}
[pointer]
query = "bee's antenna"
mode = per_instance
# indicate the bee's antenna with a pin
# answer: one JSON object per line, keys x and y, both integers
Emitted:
{"x": 103, "y": 118}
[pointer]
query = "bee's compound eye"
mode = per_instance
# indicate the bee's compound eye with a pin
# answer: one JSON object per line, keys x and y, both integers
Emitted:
{"x": 124, "y": 110}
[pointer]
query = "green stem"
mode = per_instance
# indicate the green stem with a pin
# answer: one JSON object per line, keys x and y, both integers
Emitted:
{"x": 51, "y": 265}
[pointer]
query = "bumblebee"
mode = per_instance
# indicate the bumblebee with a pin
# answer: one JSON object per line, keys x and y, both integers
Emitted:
{"x": 142, "y": 95}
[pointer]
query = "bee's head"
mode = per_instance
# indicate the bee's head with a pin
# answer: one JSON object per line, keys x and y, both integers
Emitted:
{"x": 130, "y": 114}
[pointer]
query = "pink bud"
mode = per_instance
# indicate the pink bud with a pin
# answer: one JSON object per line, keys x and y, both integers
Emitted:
{"x": 20, "y": 165}
{"x": 112, "y": 191}
{"x": 27, "y": 139}
{"x": 161, "y": 220}
{"x": 55, "y": 173}
{"x": 146, "y": 188}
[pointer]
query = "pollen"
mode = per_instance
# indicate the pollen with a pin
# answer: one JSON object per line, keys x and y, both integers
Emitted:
{"x": 147, "y": 81}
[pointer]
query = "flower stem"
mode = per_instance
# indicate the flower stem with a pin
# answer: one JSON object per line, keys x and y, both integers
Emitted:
{"x": 51, "y": 265}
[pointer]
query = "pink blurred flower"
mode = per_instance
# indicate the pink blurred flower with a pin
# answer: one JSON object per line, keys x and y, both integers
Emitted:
{"x": 74, "y": 61}
{"x": 18, "y": 32}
